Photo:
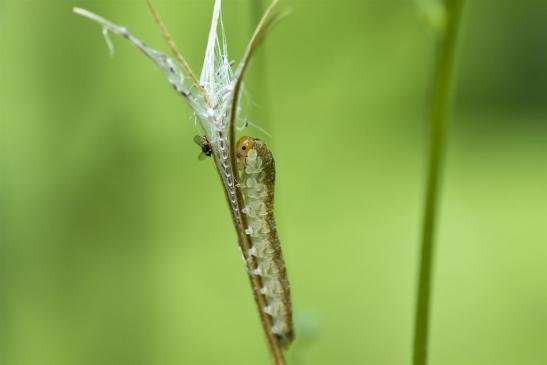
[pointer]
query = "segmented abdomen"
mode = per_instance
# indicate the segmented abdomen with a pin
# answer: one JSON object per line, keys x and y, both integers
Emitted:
{"x": 257, "y": 173}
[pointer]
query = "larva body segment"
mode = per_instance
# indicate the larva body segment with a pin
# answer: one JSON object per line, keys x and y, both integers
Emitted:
{"x": 257, "y": 180}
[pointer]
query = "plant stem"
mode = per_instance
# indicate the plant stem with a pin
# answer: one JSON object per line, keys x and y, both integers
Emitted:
{"x": 239, "y": 219}
{"x": 439, "y": 113}
{"x": 260, "y": 77}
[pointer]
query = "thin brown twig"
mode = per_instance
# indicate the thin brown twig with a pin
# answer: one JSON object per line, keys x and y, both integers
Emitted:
{"x": 176, "y": 52}
{"x": 256, "y": 283}
{"x": 263, "y": 26}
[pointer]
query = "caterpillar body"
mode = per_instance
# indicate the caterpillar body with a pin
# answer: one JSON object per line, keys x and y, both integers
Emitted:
{"x": 257, "y": 179}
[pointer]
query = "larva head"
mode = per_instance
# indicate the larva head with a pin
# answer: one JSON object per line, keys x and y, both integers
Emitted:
{"x": 244, "y": 145}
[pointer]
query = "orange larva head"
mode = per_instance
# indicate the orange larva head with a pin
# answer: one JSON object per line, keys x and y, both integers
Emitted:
{"x": 243, "y": 146}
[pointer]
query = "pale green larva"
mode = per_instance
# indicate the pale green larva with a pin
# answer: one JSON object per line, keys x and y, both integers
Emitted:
{"x": 257, "y": 180}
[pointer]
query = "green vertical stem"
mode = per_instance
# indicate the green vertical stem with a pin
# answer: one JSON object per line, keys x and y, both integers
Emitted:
{"x": 444, "y": 67}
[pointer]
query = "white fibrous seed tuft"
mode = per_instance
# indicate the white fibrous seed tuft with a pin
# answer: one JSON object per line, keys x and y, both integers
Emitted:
{"x": 211, "y": 100}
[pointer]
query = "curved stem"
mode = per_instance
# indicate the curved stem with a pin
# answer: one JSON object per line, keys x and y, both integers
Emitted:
{"x": 440, "y": 104}
{"x": 260, "y": 77}
{"x": 263, "y": 26}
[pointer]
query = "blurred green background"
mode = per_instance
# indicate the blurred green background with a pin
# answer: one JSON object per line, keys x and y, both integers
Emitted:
{"x": 116, "y": 245}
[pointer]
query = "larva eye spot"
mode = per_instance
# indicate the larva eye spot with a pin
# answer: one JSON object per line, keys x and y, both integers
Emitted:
{"x": 243, "y": 146}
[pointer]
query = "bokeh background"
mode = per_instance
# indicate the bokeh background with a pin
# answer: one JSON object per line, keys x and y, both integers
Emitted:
{"x": 116, "y": 245}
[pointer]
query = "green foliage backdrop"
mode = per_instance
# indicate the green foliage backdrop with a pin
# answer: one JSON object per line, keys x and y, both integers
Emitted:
{"x": 116, "y": 245}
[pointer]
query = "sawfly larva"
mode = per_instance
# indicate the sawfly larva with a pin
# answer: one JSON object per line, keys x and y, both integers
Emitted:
{"x": 257, "y": 179}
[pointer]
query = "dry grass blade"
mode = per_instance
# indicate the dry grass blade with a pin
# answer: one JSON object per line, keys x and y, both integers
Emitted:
{"x": 263, "y": 27}
{"x": 173, "y": 47}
